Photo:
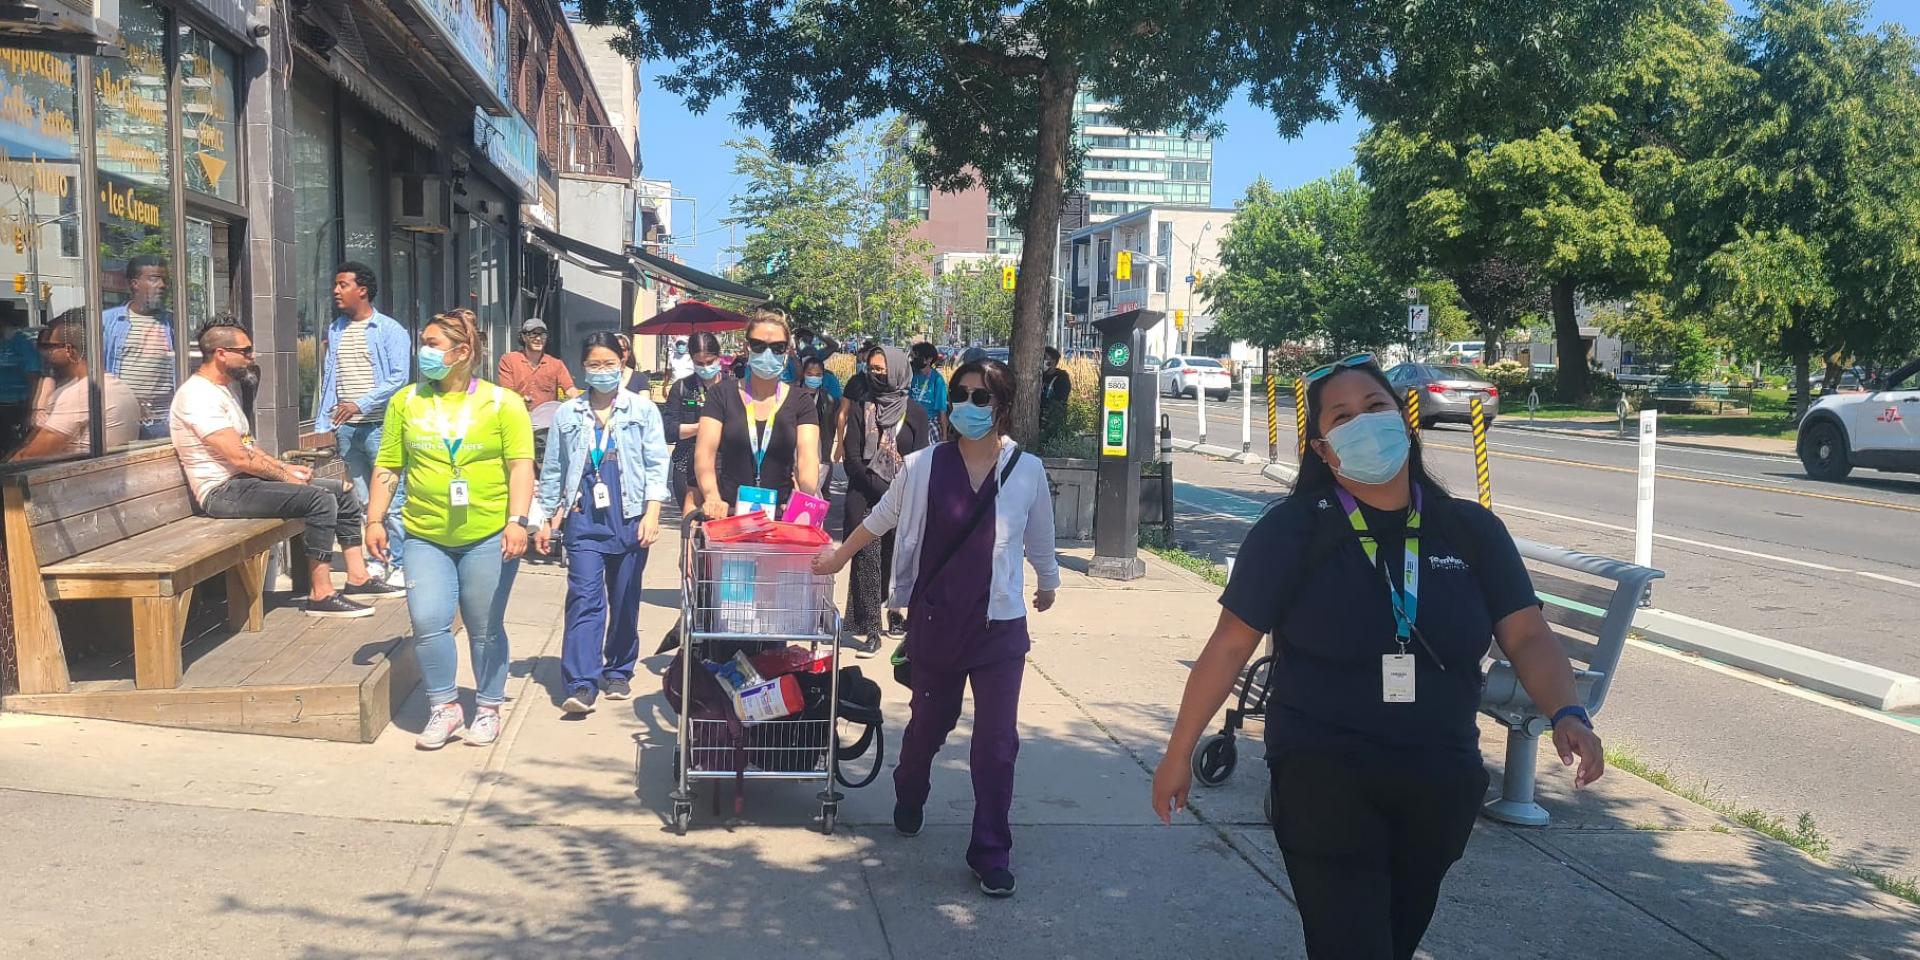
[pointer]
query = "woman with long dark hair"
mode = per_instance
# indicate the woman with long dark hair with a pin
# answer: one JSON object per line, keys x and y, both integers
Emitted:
{"x": 680, "y": 416}
{"x": 1381, "y": 592}
{"x": 883, "y": 427}
{"x": 601, "y": 487}
{"x": 972, "y": 514}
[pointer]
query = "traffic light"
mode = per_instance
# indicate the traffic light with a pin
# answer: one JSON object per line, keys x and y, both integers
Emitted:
{"x": 19, "y": 283}
{"x": 1123, "y": 265}
{"x": 1179, "y": 319}
{"x": 1008, "y": 275}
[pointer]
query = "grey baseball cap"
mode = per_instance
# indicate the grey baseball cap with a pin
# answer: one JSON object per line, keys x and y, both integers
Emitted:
{"x": 533, "y": 325}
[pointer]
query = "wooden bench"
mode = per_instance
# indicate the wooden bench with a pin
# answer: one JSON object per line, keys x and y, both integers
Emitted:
{"x": 123, "y": 527}
{"x": 1685, "y": 395}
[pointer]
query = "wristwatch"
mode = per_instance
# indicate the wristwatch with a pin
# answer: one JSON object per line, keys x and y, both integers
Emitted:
{"x": 1573, "y": 710}
{"x": 524, "y": 522}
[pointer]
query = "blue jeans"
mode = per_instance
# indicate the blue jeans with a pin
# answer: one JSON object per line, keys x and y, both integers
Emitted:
{"x": 359, "y": 445}
{"x": 478, "y": 581}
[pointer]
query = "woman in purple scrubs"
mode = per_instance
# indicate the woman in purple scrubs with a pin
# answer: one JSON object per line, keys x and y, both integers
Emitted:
{"x": 971, "y": 513}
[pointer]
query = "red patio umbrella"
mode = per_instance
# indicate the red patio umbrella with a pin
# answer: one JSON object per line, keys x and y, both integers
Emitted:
{"x": 690, "y": 317}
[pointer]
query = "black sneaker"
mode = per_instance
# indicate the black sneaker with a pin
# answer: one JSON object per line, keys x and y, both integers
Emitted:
{"x": 909, "y": 820}
{"x": 374, "y": 589}
{"x": 580, "y": 701}
{"x": 337, "y": 607}
{"x": 872, "y": 649}
{"x": 896, "y": 623}
{"x": 617, "y": 689}
{"x": 996, "y": 883}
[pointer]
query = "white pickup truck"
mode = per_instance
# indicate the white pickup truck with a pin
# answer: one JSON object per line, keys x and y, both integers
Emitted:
{"x": 1878, "y": 429}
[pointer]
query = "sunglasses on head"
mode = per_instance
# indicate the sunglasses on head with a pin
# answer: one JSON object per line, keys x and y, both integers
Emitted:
{"x": 779, "y": 347}
{"x": 978, "y": 396}
{"x": 1321, "y": 371}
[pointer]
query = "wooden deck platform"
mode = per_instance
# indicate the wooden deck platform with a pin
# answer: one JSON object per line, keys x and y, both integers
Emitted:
{"x": 298, "y": 677}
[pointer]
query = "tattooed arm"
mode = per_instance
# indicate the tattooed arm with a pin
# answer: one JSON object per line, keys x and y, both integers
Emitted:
{"x": 250, "y": 460}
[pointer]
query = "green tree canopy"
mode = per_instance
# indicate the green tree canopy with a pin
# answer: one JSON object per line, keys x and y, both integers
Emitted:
{"x": 991, "y": 86}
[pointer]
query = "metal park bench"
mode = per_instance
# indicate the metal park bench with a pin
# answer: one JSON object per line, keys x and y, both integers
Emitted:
{"x": 1591, "y": 616}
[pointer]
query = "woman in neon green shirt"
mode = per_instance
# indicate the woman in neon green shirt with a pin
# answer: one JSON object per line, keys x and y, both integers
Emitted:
{"x": 466, "y": 449}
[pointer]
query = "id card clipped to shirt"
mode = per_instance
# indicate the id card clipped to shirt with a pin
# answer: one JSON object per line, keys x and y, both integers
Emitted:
{"x": 1396, "y": 678}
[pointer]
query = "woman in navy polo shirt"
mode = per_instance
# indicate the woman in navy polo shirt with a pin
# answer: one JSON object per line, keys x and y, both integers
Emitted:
{"x": 1371, "y": 738}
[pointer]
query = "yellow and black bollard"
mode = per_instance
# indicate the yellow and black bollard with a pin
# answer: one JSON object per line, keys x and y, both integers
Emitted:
{"x": 1273, "y": 418}
{"x": 1413, "y": 409}
{"x": 1480, "y": 472}
{"x": 1300, "y": 419}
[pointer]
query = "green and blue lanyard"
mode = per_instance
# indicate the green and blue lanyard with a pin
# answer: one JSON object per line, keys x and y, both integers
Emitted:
{"x": 1405, "y": 596}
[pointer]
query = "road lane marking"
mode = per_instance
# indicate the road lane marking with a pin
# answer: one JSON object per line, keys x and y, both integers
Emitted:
{"x": 1517, "y": 446}
{"x": 1896, "y": 721}
{"x": 1740, "y": 485}
{"x": 1882, "y": 576}
{"x": 1734, "y": 476}
{"x": 1670, "y": 538}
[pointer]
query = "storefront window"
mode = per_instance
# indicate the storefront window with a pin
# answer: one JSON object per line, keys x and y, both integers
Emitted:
{"x": 46, "y": 393}
{"x": 316, "y": 241}
{"x": 360, "y": 188}
{"x": 487, "y": 285}
{"x": 209, "y": 106}
{"x": 141, "y": 338}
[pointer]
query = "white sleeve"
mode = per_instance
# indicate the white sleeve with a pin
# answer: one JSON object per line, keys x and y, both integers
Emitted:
{"x": 885, "y": 515}
{"x": 1039, "y": 533}
{"x": 205, "y": 414}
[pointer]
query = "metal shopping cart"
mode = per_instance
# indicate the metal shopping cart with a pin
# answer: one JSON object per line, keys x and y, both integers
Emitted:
{"x": 755, "y": 597}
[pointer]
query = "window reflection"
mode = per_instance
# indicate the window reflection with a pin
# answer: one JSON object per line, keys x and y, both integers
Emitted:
{"x": 62, "y": 421}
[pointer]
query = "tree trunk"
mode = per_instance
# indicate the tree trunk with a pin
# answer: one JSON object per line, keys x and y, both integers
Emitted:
{"x": 1032, "y": 297}
{"x": 1835, "y": 370}
{"x": 1571, "y": 350}
{"x": 1802, "y": 383}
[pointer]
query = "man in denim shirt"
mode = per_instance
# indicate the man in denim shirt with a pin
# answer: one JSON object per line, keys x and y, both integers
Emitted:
{"x": 137, "y": 342}
{"x": 369, "y": 358}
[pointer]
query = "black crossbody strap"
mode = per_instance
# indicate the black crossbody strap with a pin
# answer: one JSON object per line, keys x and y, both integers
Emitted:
{"x": 973, "y": 522}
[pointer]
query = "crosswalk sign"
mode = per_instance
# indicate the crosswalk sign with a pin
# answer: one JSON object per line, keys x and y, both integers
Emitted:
{"x": 1008, "y": 275}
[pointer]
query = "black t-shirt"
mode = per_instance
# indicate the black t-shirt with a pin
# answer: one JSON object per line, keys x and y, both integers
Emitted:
{"x": 734, "y": 465}
{"x": 684, "y": 400}
{"x": 1056, "y": 386}
{"x": 1303, "y": 575}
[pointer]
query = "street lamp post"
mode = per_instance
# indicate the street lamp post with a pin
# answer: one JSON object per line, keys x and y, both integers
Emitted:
{"x": 1193, "y": 265}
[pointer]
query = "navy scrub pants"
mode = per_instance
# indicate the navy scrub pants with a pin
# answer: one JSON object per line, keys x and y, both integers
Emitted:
{"x": 603, "y": 617}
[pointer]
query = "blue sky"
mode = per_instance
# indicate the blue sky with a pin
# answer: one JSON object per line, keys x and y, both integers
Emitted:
{"x": 691, "y": 149}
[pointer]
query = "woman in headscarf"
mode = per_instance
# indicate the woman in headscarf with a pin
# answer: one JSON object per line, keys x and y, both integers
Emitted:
{"x": 883, "y": 426}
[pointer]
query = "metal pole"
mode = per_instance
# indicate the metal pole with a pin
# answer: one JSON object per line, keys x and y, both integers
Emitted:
{"x": 1246, "y": 413}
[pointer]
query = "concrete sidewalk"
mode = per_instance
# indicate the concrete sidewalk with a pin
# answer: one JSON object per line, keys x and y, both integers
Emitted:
{"x": 147, "y": 842}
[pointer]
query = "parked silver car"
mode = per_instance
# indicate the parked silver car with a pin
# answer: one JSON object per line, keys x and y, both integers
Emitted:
{"x": 1446, "y": 391}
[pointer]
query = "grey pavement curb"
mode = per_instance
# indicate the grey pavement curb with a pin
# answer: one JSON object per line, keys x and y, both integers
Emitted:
{"x": 1862, "y": 683}
{"x": 1279, "y": 473}
{"x": 1666, "y": 440}
{"x": 1216, "y": 450}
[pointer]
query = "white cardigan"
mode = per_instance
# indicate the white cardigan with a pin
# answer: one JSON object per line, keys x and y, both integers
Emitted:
{"x": 1022, "y": 529}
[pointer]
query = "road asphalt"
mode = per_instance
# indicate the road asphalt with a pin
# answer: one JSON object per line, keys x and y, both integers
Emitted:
{"x": 155, "y": 843}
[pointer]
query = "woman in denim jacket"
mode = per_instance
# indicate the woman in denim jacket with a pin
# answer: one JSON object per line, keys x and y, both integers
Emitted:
{"x": 601, "y": 488}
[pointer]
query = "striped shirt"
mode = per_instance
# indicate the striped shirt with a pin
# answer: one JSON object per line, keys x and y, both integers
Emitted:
{"x": 146, "y": 365}
{"x": 356, "y": 369}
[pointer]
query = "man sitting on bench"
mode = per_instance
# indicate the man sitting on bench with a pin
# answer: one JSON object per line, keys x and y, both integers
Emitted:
{"x": 231, "y": 478}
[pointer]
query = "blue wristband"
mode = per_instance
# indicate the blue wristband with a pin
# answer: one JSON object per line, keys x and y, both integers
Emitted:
{"x": 1571, "y": 710}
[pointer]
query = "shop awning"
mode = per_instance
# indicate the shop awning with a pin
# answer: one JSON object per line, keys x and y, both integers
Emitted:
{"x": 598, "y": 259}
{"x": 679, "y": 274}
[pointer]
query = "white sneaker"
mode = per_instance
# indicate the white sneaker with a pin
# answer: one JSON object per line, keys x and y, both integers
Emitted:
{"x": 397, "y": 578}
{"x": 485, "y": 728}
{"x": 441, "y": 724}
{"x": 376, "y": 569}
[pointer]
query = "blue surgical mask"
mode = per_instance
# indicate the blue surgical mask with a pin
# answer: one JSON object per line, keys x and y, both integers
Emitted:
{"x": 813, "y": 383}
{"x": 679, "y": 349}
{"x": 433, "y": 363}
{"x": 971, "y": 420}
{"x": 767, "y": 365}
{"x": 604, "y": 381}
{"x": 1372, "y": 447}
{"x": 708, "y": 372}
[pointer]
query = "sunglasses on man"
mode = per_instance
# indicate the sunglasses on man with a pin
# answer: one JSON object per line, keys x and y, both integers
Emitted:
{"x": 779, "y": 347}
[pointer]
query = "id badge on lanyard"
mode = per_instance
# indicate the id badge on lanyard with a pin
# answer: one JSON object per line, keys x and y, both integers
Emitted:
{"x": 1397, "y": 670}
{"x": 760, "y": 432}
{"x": 602, "y": 436}
{"x": 453, "y": 435}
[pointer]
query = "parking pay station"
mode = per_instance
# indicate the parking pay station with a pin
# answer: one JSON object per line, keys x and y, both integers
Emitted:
{"x": 1125, "y": 433}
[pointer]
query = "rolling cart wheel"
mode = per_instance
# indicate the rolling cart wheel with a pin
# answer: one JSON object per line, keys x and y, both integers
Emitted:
{"x": 1214, "y": 759}
{"x": 682, "y": 818}
{"x": 829, "y": 815}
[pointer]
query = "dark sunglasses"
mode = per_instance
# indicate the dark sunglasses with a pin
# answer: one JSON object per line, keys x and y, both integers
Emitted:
{"x": 978, "y": 396}
{"x": 779, "y": 347}
{"x": 1357, "y": 360}
{"x": 243, "y": 351}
